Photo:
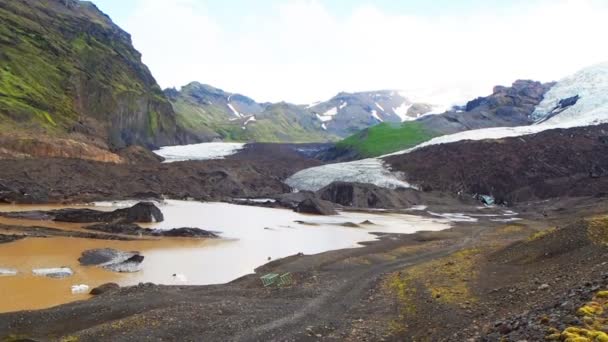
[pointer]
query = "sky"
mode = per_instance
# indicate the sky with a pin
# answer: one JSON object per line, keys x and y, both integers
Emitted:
{"x": 303, "y": 51}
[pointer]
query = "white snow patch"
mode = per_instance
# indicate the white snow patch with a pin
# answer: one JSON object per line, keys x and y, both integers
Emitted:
{"x": 401, "y": 111}
{"x": 379, "y": 106}
{"x": 250, "y": 119}
{"x": 513, "y": 219}
{"x": 234, "y": 111}
{"x": 324, "y": 118}
{"x": 324, "y": 126}
{"x": 204, "y": 151}
{"x": 375, "y": 115}
{"x": 372, "y": 171}
{"x": 333, "y": 111}
{"x": 343, "y": 105}
{"x": 454, "y": 217}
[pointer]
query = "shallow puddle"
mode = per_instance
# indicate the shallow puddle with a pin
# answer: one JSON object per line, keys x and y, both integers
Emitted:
{"x": 250, "y": 235}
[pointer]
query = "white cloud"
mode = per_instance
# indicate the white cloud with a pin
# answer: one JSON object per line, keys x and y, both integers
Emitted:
{"x": 300, "y": 52}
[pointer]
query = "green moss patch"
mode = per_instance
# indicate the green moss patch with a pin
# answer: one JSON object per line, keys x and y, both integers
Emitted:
{"x": 386, "y": 138}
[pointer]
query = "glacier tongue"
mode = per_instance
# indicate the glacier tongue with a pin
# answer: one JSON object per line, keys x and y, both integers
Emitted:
{"x": 591, "y": 84}
{"x": 370, "y": 171}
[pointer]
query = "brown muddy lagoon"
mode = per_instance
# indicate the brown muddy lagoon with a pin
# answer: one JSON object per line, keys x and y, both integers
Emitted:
{"x": 249, "y": 237}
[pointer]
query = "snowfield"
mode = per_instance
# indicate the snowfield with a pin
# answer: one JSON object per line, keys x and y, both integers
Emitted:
{"x": 204, "y": 151}
{"x": 591, "y": 84}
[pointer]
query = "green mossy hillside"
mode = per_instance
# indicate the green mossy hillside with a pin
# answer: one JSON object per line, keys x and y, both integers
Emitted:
{"x": 65, "y": 67}
{"x": 386, "y": 138}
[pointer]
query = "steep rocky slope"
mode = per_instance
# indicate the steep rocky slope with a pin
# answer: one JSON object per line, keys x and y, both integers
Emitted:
{"x": 69, "y": 75}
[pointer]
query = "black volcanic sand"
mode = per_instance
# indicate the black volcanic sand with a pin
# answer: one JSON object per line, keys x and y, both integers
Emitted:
{"x": 257, "y": 171}
{"x": 484, "y": 281}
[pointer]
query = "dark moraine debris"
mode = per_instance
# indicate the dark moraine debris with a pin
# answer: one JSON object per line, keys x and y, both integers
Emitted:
{"x": 315, "y": 206}
{"x": 360, "y": 195}
{"x": 10, "y": 238}
{"x": 105, "y": 288}
{"x": 185, "y": 232}
{"x": 120, "y": 228}
{"x": 134, "y": 229}
{"x": 141, "y": 212}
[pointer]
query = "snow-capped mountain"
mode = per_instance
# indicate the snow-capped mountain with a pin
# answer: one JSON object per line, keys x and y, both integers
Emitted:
{"x": 212, "y": 113}
{"x": 347, "y": 113}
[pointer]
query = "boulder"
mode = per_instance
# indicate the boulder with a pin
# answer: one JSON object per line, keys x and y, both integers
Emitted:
{"x": 316, "y": 206}
{"x": 112, "y": 259}
{"x": 105, "y": 288}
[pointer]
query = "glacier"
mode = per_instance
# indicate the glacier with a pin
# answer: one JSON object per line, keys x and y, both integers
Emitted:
{"x": 204, "y": 151}
{"x": 590, "y": 84}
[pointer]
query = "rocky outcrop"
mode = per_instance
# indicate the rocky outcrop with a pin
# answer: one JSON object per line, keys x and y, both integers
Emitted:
{"x": 134, "y": 229}
{"x": 505, "y": 107}
{"x": 141, "y": 212}
{"x": 315, "y": 206}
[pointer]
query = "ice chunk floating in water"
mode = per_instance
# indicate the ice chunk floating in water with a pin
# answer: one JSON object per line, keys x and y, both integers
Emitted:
{"x": 204, "y": 151}
{"x": 78, "y": 289}
{"x": 58, "y": 272}
{"x": 7, "y": 272}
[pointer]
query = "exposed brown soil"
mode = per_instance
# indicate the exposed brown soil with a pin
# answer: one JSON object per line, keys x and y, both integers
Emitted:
{"x": 459, "y": 284}
{"x": 550, "y": 164}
